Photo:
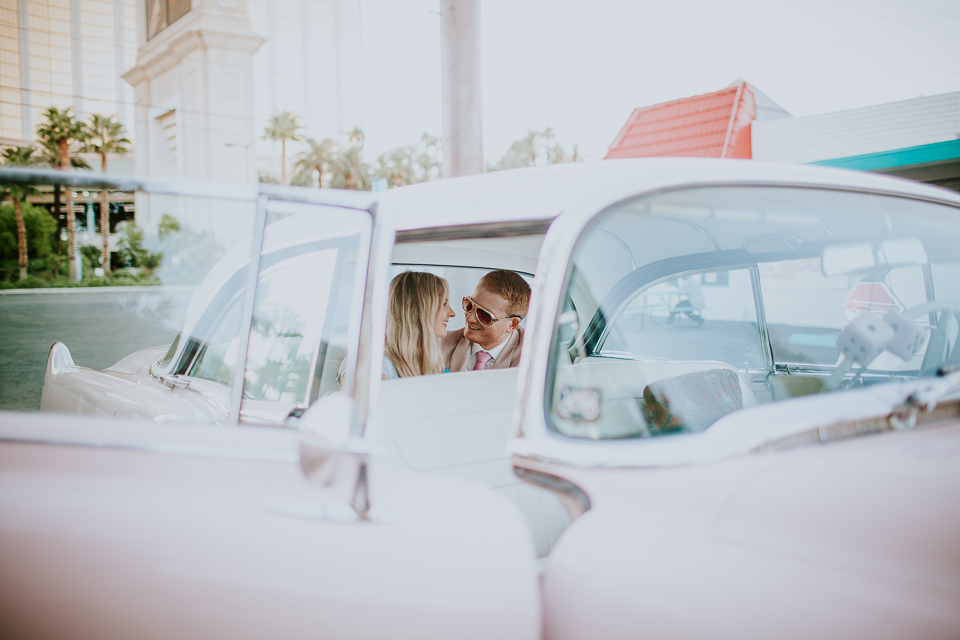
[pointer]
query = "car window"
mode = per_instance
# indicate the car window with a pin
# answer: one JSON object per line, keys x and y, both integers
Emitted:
{"x": 706, "y": 302}
{"x": 293, "y": 301}
{"x": 806, "y": 309}
{"x": 708, "y": 315}
{"x": 217, "y": 356}
{"x": 306, "y": 293}
{"x": 119, "y": 313}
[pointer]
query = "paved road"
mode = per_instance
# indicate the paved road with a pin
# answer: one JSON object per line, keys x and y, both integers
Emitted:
{"x": 99, "y": 326}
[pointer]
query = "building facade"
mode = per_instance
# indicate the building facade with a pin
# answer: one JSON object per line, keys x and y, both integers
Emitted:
{"x": 917, "y": 139}
{"x": 64, "y": 53}
{"x": 208, "y": 79}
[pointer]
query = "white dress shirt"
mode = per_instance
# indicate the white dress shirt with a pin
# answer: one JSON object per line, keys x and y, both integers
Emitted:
{"x": 476, "y": 348}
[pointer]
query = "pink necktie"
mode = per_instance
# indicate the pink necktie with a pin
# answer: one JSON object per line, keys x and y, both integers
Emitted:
{"x": 482, "y": 359}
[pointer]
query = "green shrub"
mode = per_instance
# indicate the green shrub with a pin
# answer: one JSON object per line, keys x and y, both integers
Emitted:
{"x": 41, "y": 230}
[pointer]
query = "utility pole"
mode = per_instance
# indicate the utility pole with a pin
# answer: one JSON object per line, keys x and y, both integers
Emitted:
{"x": 462, "y": 103}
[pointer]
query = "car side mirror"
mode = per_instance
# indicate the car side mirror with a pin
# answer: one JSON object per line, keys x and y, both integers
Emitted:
{"x": 333, "y": 455}
{"x": 325, "y": 429}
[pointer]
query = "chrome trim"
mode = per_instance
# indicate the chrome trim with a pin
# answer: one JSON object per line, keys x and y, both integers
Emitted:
{"x": 228, "y": 453}
{"x": 362, "y": 200}
{"x": 124, "y": 183}
{"x": 506, "y": 229}
{"x": 912, "y": 419}
{"x": 555, "y": 484}
{"x": 761, "y": 314}
{"x": 803, "y": 368}
{"x": 350, "y": 199}
{"x": 368, "y": 364}
{"x": 175, "y": 381}
{"x": 246, "y": 319}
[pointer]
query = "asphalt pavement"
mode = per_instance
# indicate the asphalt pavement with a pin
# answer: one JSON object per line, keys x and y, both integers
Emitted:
{"x": 99, "y": 326}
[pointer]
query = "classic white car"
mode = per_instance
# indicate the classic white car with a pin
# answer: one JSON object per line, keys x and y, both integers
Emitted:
{"x": 741, "y": 381}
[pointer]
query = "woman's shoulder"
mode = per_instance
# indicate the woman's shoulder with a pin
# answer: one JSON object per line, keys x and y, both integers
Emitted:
{"x": 389, "y": 370}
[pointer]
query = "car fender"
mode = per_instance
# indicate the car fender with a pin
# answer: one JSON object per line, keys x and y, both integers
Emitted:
{"x": 68, "y": 388}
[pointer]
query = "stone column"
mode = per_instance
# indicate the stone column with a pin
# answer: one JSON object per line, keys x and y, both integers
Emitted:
{"x": 193, "y": 87}
{"x": 462, "y": 103}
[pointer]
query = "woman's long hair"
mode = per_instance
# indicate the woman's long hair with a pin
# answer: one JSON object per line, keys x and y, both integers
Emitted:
{"x": 415, "y": 300}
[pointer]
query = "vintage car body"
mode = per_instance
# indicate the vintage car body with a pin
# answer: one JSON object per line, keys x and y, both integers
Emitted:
{"x": 790, "y": 513}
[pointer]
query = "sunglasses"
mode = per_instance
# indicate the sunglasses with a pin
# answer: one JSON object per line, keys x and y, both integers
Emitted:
{"x": 484, "y": 317}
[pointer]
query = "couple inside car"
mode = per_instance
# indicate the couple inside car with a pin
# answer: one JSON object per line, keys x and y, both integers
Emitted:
{"x": 418, "y": 342}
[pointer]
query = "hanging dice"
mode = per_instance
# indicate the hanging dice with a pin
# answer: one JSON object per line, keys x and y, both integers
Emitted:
{"x": 908, "y": 336}
{"x": 864, "y": 339}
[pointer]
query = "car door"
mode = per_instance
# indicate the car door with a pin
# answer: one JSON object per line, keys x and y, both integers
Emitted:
{"x": 120, "y": 528}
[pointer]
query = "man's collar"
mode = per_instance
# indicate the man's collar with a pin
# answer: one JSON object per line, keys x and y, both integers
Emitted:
{"x": 495, "y": 351}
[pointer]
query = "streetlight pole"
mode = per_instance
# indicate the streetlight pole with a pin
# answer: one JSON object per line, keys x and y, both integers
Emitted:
{"x": 462, "y": 103}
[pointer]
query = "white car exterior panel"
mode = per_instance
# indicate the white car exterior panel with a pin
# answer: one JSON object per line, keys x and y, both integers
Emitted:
{"x": 833, "y": 542}
{"x": 132, "y": 530}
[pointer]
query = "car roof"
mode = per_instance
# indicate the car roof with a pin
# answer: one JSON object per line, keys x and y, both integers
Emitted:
{"x": 545, "y": 192}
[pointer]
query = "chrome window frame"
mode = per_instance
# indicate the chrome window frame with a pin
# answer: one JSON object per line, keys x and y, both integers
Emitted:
{"x": 262, "y": 194}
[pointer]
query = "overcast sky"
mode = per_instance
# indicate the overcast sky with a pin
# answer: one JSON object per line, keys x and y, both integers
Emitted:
{"x": 582, "y": 66}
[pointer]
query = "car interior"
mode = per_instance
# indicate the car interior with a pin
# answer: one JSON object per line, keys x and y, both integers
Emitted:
{"x": 702, "y": 304}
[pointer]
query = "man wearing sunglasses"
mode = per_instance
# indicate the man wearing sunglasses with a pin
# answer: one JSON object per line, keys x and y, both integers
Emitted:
{"x": 492, "y": 336}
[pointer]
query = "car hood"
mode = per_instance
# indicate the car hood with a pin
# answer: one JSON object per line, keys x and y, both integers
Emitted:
{"x": 138, "y": 362}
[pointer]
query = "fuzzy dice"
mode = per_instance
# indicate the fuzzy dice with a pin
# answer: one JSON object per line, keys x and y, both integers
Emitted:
{"x": 908, "y": 336}
{"x": 864, "y": 339}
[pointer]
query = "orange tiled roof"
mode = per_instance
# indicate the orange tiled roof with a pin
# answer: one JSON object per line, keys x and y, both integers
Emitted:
{"x": 694, "y": 127}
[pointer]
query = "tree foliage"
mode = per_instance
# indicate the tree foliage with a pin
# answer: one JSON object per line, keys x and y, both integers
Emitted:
{"x": 283, "y": 127}
{"x": 316, "y": 160}
{"x": 535, "y": 149}
{"x": 132, "y": 252}
{"x": 40, "y": 229}
{"x": 62, "y": 128}
{"x": 103, "y": 135}
{"x": 411, "y": 164}
{"x": 20, "y": 157}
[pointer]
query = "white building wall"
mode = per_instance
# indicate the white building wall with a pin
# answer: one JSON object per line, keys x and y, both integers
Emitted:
{"x": 64, "y": 53}
{"x": 841, "y": 134}
{"x": 309, "y": 65}
{"x": 11, "y": 126}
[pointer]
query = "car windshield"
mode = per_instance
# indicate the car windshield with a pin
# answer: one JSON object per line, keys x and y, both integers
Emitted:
{"x": 696, "y": 304}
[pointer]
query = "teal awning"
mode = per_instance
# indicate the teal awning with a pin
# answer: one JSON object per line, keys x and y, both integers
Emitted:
{"x": 936, "y": 152}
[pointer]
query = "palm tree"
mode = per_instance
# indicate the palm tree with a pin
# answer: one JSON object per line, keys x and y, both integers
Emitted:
{"x": 61, "y": 129}
{"x": 51, "y": 156}
{"x": 283, "y": 126}
{"x": 348, "y": 168}
{"x": 20, "y": 157}
{"x": 104, "y": 134}
{"x": 318, "y": 157}
{"x": 350, "y": 171}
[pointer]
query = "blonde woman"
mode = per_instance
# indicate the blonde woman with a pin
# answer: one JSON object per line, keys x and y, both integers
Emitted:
{"x": 418, "y": 316}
